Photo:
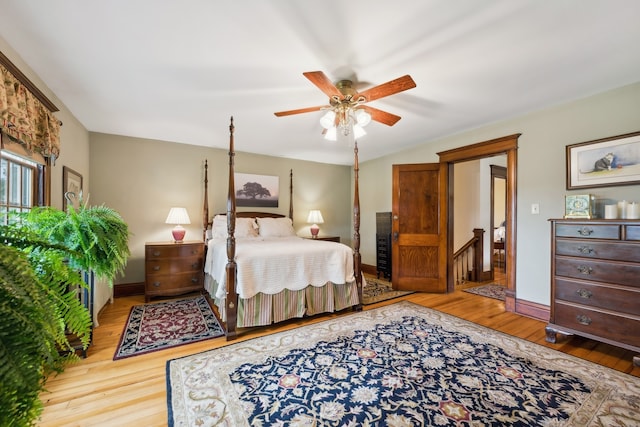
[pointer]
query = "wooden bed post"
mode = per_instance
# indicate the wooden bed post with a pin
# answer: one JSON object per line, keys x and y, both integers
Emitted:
{"x": 231, "y": 268}
{"x": 205, "y": 207}
{"x": 291, "y": 195}
{"x": 357, "y": 258}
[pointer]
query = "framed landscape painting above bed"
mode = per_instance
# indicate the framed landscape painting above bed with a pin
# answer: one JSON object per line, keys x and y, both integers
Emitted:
{"x": 259, "y": 191}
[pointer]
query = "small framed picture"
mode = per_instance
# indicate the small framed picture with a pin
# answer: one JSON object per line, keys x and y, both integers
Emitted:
{"x": 604, "y": 162}
{"x": 71, "y": 188}
{"x": 579, "y": 206}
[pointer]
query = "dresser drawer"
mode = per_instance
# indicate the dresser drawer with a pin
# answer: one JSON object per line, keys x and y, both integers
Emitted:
{"x": 610, "y": 297}
{"x": 632, "y": 232}
{"x": 619, "y": 273}
{"x": 619, "y": 251}
{"x": 619, "y": 328}
{"x": 174, "y": 251}
{"x": 163, "y": 282}
{"x": 588, "y": 231}
{"x": 178, "y": 265}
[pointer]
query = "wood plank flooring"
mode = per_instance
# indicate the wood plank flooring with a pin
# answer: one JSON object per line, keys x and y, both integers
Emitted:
{"x": 99, "y": 391}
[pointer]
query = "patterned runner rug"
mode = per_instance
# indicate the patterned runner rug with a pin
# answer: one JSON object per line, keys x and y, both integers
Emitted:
{"x": 397, "y": 365}
{"x": 491, "y": 291}
{"x": 162, "y": 325}
{"x": 374, "y": 291}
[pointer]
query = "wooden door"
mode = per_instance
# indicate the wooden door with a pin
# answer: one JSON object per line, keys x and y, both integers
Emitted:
{"x": 419, "y": 229}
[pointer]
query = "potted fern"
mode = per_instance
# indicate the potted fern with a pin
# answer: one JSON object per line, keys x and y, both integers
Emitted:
{"x": 41, "y": 256}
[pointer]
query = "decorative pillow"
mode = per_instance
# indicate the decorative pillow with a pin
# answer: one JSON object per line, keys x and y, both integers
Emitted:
{"x": 245, "y": 227}
{"x": 275, "y": 227}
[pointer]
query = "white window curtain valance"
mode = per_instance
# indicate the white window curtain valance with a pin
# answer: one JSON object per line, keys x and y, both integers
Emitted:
{"x": 25, "y": 119}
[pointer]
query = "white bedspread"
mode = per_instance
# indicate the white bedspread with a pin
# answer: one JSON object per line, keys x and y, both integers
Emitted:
{"x": 270, "y": 265}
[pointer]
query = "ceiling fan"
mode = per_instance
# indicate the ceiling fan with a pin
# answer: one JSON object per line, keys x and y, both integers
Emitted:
{"x": 346, "y": 109}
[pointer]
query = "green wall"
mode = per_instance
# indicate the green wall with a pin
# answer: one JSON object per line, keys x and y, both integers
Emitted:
{"x": 142, "y": 179}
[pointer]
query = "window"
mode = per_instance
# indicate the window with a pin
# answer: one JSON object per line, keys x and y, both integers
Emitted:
{"x": 20, "y": 184}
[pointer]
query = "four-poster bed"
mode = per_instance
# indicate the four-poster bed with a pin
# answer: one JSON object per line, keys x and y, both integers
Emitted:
{"x": 259, "y": 272}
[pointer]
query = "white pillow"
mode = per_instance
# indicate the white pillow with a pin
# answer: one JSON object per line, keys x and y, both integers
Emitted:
{"x": 275, "y": 227}
{"x": 245, "y": 227}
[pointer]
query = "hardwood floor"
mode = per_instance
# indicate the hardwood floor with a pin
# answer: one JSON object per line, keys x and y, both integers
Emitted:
{"x": 99, "y": 391}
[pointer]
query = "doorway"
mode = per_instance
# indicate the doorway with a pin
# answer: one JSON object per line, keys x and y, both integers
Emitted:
{"x": 498, "y": 216}
{"x": 507, "y": 146}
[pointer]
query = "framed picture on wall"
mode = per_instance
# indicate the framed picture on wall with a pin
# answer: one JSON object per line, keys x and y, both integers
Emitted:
{"x": 256, "y": 190}
{"x": 71, "y": 188}
{"x": 604, "y": 162}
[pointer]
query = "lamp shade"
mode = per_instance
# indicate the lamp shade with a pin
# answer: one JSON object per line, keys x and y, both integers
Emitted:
{"x": 363, "y": 118}
{"x": 331, "y": 134}
{"x": 358, "y": 131}
{"x": 178, "y": 216}
{"x": 328, "y": 120}
{"x": 315, "y": 217}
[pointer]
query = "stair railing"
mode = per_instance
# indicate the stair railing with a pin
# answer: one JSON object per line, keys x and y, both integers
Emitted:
{"x": 467, "y": 261}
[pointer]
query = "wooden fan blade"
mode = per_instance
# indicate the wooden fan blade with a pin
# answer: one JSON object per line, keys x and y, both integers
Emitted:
{"x": 323, "y": 83}
{"x": 389, "y": 88}
{"x": 381, "y": 116}
{"x": 300, "y": 110}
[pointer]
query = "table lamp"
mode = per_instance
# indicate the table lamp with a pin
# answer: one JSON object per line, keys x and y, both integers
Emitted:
{"x": 178, "y": 216}
{"x": 315, "y": 218}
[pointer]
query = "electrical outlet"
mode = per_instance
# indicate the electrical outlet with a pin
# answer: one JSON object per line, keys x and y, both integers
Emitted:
{"x": 535, "y": 209}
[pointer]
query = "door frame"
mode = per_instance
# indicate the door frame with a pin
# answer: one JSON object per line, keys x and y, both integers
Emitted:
{"x": 507, "y": 145}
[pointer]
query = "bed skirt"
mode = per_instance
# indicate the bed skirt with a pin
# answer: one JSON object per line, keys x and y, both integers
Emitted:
{"x": 264, "y": 309}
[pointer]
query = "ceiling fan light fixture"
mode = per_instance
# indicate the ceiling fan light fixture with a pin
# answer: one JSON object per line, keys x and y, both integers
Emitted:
{"x": 363, "y": 117}
{"x": 350, "y": 121}
{"x": 345, "y": 108}
{"x": 331, "y": 134}
{"x": 328, "y": 120}
{"x": 358, "y": 131}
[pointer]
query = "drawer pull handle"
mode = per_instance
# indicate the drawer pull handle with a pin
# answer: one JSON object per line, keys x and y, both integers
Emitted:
{"x": 584, "y": 269}
{"x": 195, "y": 265}
{"x": 156, "y": 268}
{"x": 585, "y": 250}
{"x": 583, "y": 320}
{"x": 194, "y": 280}
{"x": 584, "y": 293}
{"x": 156, "y": 253}
{"x": 585, "y": 231}
{"x": 156, "y": 284}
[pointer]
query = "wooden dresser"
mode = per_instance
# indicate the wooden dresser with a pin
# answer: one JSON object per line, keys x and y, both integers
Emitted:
{"x": 595, "y": 281}
{"x": 173, "y": 268}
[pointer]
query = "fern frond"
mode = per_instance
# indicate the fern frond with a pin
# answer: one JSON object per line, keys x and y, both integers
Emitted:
{"x": 28, "y": 327}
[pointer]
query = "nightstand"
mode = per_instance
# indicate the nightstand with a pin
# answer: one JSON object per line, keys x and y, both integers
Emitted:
{"x": 173, "y": 268}
{"x": 326, "y": 238}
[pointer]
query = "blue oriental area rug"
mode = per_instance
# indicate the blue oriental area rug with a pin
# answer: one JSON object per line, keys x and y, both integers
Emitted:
{"x": 399, "y": 365}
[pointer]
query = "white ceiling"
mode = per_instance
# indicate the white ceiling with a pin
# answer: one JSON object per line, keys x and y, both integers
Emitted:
{"x": 177, "y": 70}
